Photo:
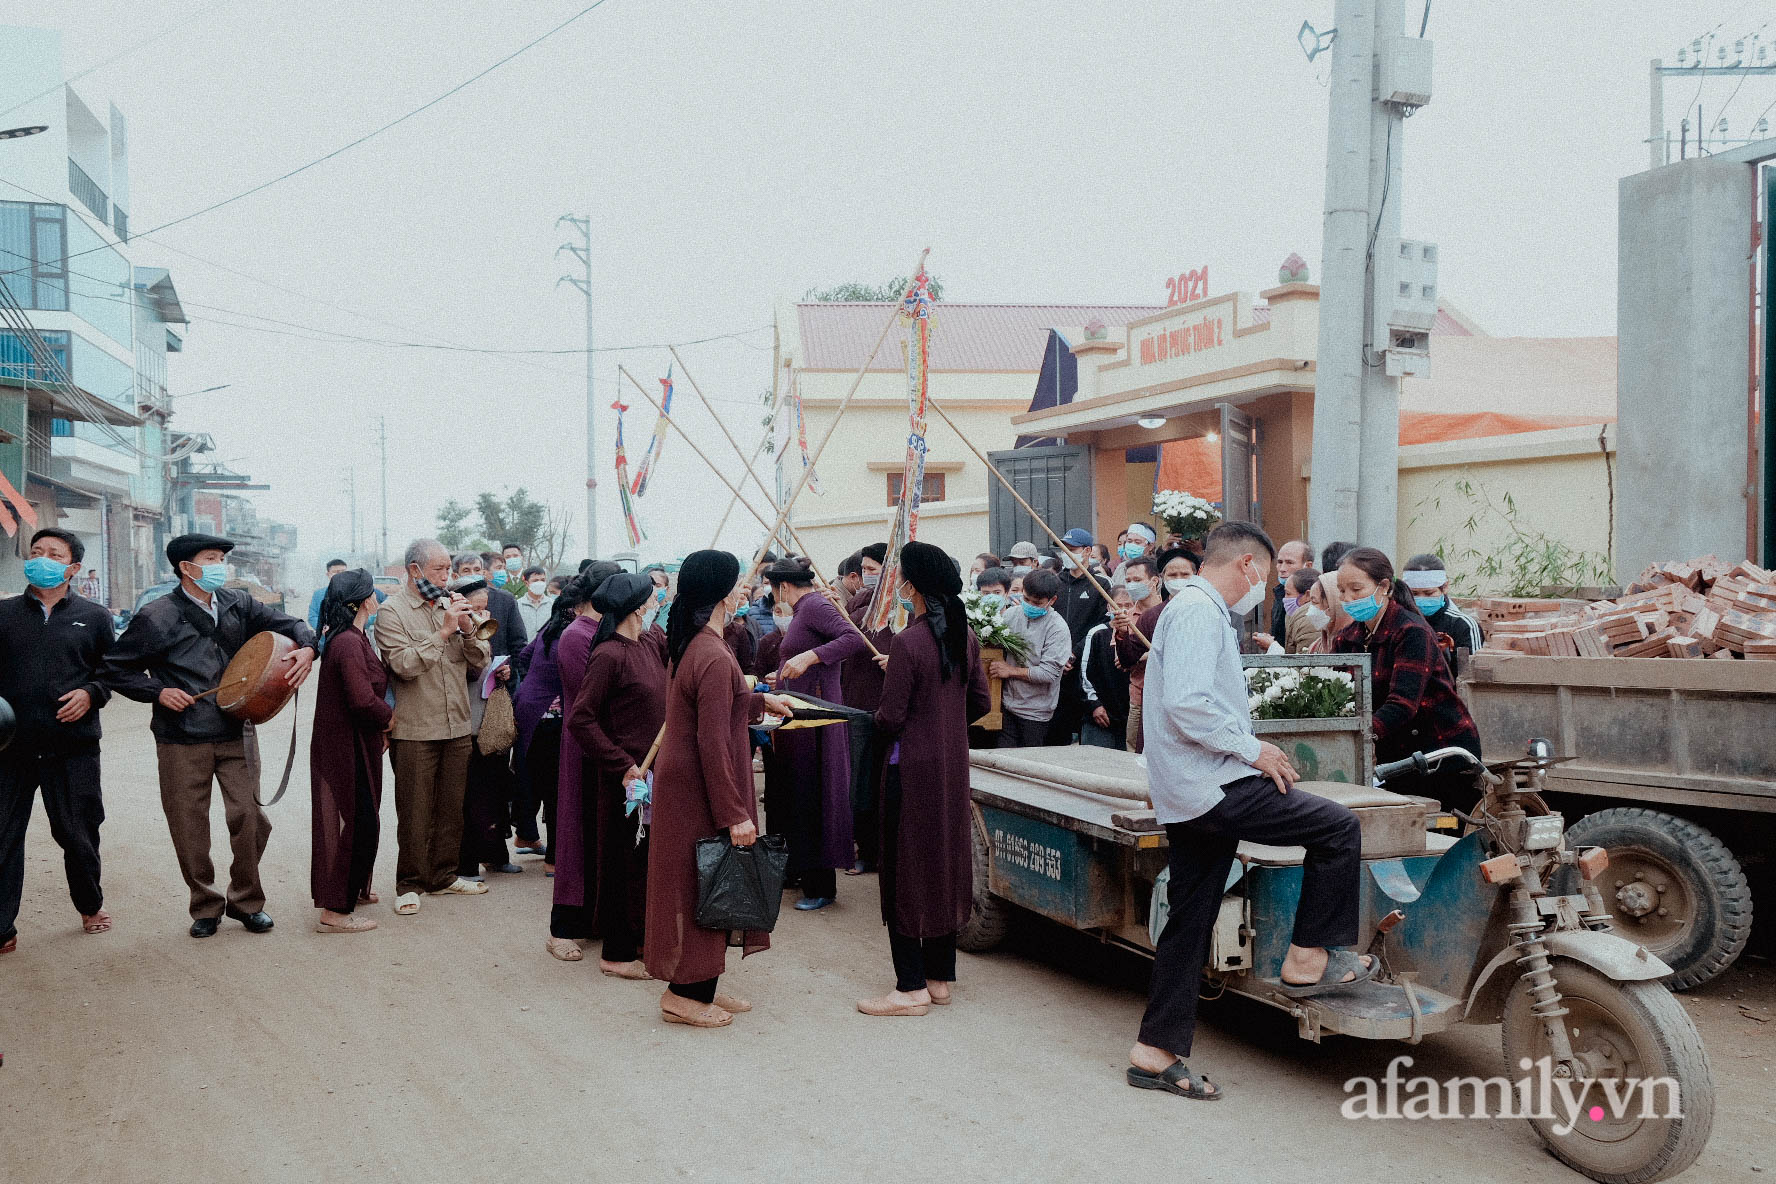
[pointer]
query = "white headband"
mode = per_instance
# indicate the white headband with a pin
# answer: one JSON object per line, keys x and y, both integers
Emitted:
{"x": 1145, "y": 531}
{"x": 1425, "y": 581}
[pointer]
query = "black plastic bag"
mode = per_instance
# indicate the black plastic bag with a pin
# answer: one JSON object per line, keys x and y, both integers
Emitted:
{"x": 740, "y": 887}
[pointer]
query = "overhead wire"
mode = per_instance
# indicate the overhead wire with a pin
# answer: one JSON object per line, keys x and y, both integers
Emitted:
{"x": 371, "y": 135}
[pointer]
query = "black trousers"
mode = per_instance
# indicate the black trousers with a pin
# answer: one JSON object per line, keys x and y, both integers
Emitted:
{"x": 1017, "y": 732}
{"x": 702, "y": 992}
{"x": 820, "y": 881}
{"x": 1201, "y": 854}
{"x": 917, "y": 959}
{"x": 538, "y": 766}
{"x": 485, "y": 796}
{"x": 1070, "y": 711}
{"x": 68, "y": 774}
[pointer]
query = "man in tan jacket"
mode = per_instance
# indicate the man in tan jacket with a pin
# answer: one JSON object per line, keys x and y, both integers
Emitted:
{"x": 429, "y": 646}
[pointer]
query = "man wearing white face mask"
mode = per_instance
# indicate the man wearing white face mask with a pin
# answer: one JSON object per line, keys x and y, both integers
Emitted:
{"x": 175, "y": 650}
{"x": 535, "y": 606}
{"x": 1213, "y": 784}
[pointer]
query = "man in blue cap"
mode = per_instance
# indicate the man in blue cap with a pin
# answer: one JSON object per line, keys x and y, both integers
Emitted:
{"x": 174, "y": 651}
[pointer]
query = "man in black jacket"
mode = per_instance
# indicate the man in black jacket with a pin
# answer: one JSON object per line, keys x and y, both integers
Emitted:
{"x": 502, "y": 606}
{"x": 51, "y": 643}
{"x": 1082, "y": 606}
{"x": 174, "y": 650}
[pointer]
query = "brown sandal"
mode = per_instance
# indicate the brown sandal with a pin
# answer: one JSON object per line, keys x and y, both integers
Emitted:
{"x": 709, "y": 1016}
{"x": 9, "y": 945}
{"x": 886, "y": 1006}
{"x": 633, "y": 971}
{"x": 728, "y": 1002}
{"x": 352, "y": 924}
{"x": 99, "y": 922}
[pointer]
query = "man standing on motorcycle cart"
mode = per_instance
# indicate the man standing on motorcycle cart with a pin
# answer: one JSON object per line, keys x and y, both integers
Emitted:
{"x": 1213, "y": 783}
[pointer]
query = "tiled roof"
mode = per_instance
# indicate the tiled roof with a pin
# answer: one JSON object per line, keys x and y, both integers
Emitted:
{"x": 991, "y": 337}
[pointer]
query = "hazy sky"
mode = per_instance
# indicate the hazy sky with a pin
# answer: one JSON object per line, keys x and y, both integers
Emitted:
{"x": 735, "y": 153}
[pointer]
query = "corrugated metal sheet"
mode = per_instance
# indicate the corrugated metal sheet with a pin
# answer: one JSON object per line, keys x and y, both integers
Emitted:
{"x": 991, "y": 337}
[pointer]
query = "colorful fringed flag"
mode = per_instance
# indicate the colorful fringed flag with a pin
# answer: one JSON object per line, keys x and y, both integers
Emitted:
{"x": 915, "y": 310}
{"x": 790, "y": 425}
{"x": 629, "y": 522}
{"x": 659, "y": 441}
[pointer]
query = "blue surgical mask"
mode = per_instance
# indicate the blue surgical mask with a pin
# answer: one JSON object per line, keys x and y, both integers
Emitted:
{"x": 1035, "y": 612}
{"x": 1130, "y": 550}
{"x": 499, "y": 577}
{"x": 993, "y": 601}
{"x": 660, "y": 595}
{"x": 370, "y": 622}
{"x": 214, "y": 576}
{"x": 743, "y": 609}
{"x": 1364, "y": 610}
{"x": 43, "y": 572}
{"x": 1430, "y": 606}
{"x": 513, "y": 564}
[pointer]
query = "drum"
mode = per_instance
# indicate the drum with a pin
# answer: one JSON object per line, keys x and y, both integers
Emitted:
{"x": 8, "y": 723}
{"x": 254, "y": 687}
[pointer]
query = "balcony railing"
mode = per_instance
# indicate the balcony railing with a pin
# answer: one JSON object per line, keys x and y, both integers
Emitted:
{"x": 120, "y": 223}
{"x": 88, "y": 191}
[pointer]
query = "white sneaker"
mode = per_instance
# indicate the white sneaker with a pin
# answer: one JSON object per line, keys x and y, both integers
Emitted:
{"x": 407, "y": 904}
{"x": 461, "y": 887}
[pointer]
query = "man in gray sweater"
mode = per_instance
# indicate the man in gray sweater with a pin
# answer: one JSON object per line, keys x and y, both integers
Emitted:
{"x": 1032, "y": 691}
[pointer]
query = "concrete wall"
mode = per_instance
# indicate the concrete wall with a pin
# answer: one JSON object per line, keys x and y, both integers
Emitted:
{"x": 1683, "y": 323}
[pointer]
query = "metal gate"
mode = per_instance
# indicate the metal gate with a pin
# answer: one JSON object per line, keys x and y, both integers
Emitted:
{"x": 1239, "y": 466}
{"x": 1055, "y": 479}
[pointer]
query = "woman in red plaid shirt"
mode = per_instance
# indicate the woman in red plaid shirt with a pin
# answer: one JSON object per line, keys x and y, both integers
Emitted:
{"x": 1417, "y": 708}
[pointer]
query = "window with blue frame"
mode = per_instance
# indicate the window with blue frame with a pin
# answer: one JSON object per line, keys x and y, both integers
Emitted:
{"x": 18, "y": 363}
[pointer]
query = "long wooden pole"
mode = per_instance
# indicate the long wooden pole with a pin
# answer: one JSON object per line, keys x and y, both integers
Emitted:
{"x": 1031, "y": 511}
{"x": 770, "y": 498}
{"x": 667, "y": 419}
{"x": 783, "y": 514}
{"x": 756, "y": 453}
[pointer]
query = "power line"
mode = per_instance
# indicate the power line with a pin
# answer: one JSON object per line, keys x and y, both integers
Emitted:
{"x": 371, "y": 135}
{"x": 119, "y": 55}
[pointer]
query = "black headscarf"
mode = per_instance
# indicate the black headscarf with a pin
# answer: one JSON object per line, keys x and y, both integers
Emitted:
{"x": 704, "y": 581}
{"x": 597, "y": 572}
{"x": 934, "y": 575}
{"x": 616, "y": 598}
{"x": 789, "y": 571}
{"x": 339, "y": 607}
{"x": 573, "y": 594}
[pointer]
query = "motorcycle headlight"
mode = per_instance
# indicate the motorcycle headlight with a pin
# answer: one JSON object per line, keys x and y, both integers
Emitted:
{"x": 1544, "y": 833}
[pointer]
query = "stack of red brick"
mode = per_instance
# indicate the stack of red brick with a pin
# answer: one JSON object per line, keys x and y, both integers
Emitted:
{"x": 1700, "y": 609}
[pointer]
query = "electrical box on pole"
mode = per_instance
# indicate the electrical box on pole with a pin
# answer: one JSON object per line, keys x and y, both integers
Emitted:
{"x": 1405, "y": 305}
{"x": 1403, "y": 72}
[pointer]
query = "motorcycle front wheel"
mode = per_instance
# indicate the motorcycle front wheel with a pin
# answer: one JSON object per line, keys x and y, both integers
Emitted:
{"x": 1643, "y": 1103}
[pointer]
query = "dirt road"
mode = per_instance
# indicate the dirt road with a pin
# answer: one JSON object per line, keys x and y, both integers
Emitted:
{"x": 449, "y": 1046}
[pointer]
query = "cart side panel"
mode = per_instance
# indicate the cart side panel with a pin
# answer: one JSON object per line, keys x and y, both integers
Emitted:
{"x": 1050, "y": 870}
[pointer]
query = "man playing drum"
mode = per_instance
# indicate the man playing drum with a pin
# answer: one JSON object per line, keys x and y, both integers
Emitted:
{"x": 173, "y": 652}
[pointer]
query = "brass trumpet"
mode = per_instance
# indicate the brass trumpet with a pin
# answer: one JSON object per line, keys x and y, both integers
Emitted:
{"x": 484, "y": 624}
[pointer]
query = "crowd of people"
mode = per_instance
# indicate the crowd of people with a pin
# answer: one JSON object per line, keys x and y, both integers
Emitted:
{"x": 624, "y": 709}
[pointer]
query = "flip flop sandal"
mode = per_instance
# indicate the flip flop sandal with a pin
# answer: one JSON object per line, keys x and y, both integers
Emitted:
{"x": 99, "y": 922}
{"x": 564, "y": 948}
{"x": 9, "y": 945}
{"x": 406, "y": 904}
{"x": 352, "y": 924}
{"x": 884, "y": 1008}
{"x": 369, "y": 898}
{"x": 1338, "y": 964}
{"x": 1169, "y": 1082}
{"x": 709, "y": 1017}
{"x": 945, "y": 1001}
{"x": 531, "y": 849}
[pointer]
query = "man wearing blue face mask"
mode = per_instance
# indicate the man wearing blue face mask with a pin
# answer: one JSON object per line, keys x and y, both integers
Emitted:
{"x": 175, "y": 650}
{"x": 51, "y": 644}
{"x": 1428, "y": 580}
{"x": 1032, "y": 691}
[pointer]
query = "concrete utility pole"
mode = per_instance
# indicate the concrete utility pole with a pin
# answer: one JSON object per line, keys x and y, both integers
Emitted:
{"x": 1355, "y": 492}
{"x": 383, "y": 439}
{"x": 351, "y": 496}
{"x": 584, "y": 284}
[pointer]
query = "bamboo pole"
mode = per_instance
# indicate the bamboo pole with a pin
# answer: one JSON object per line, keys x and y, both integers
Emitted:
{"x": 1031, "y": 511}
{"x": 783, "y": 514}
{"x": 756, "y": 453}
{"x": 667, "y": 419}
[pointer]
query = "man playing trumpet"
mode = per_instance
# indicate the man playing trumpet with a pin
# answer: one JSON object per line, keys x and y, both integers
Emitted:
{"x": 172, "y": 655}
{"x": 427, "y": 639}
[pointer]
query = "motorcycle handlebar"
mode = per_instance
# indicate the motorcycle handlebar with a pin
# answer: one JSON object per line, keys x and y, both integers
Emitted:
{"x": 1424, "y": 762}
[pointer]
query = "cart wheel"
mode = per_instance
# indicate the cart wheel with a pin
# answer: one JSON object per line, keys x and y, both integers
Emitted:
{"x": 989, "y": 916}
{"x": 1628, "y": 1032}
{"x": 1672, "y": 887}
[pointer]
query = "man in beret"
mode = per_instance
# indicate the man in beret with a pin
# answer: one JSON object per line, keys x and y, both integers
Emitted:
{"x": 175, "y": 649}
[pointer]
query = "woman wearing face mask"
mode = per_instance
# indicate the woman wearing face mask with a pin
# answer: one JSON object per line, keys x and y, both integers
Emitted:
{"x": 1175, "y": 569}
{"x": 614, "y": 719}
{"x": 1416, "y": 705}
{"x": 345, "y": 756}
{"x": 573, "y": 649}
{"x": 860, "y": 686}
{"x": 817, "y": 639}
{"x": 934, "y": 686}
{"x": 1301, "y": 627}
{"x": 702, "y": 784}
{"x": 537, "y": 710}
{"x": 1330, "y": 619}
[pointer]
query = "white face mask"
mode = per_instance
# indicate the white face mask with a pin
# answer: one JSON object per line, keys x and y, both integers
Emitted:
{"x": 537, "y": 588}
{"x": 1139, "y": 590}
{"x": 1176, "y": 586}
{"x": 1318, "y": 617}
{"x": 1253, "y": 597}
{"x": 872, "y": 578}
{"x": 783, "y": 617}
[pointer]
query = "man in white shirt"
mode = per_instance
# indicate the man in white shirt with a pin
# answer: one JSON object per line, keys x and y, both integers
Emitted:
{"x": 534, "y": 606}
{"x": 1214, "y": 783}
